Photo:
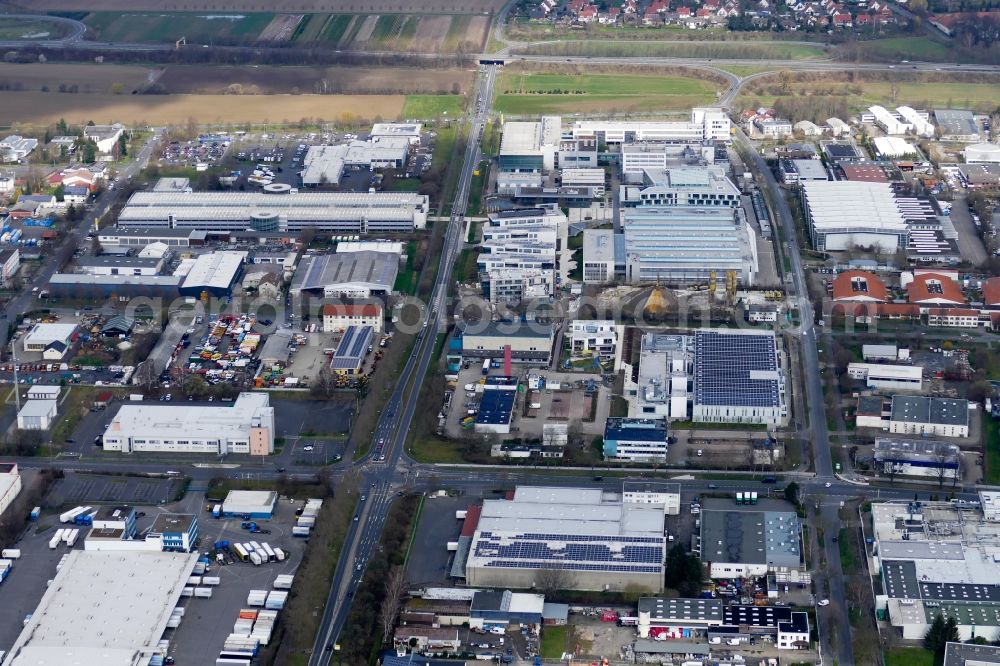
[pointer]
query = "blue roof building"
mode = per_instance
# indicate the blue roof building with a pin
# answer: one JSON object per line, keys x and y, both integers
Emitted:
{"x": 635, "y": 440}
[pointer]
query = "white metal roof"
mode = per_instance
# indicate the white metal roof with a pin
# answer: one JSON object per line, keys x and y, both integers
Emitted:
{"x": 103, "y": 607}
{"x": 159, "y": 420}
{"x": 43, "y": 334}
{"x": 885, "y": 371}
{"x": 215, "y": 270}
{"x": 851, "y": 204}
{"x": 38, "y": 408}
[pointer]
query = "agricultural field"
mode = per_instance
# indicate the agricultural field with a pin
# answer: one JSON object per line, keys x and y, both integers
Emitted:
{"x": 429, "y": 33}
{"x": 904, "y": 48}
{"x": 89, "y": 78}
{"x": 534, "y": 93}
{"x": 12, "y": 29}
{"x": 218, "y": 80}
{"x": 198, "y": 28}
{"x": 39, "y": 108}
{"x": 288, "y": 6}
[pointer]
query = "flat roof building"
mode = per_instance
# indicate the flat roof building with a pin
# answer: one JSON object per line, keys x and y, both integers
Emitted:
{"x": 104, "y": 607}
{"x": 37, "y": 414}
{"x": 42, "y": 335}
{"x": 496, "y": 411}
{"x": 252, "y": 503}
{"x": 888, "y": 377}
{"x": 529, "y": 342}
{"x": 409, "y": 131}
{"x": 844, "y": 214}
{"x": 705, "y": 123}
{"x": 635, "y": 440}
{"x": 700, "y": 186}
{"x": 738, "y": 378}
{"x": 919, "y": 415}
{"x": 686, "y": 244}
{"x": 350, "y": 274}
{"x": 244, "y": 426}
{"x": 739, "y": 542}
{"x": 351, "y": 212}
{"x": 596, "y": 541}
{"x": 968, "y": 654}
{"x": 10, "y": 484}
{"x": 917, "y": 458}
{"x": 957, "y": 125}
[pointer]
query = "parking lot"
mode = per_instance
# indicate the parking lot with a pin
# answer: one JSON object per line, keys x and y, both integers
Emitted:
{"x": 438, "y": 526}
{"x": 79, "y": 487}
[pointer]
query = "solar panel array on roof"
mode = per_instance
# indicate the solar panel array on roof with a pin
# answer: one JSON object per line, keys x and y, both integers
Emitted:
{"x": 352, "y": 348}
{"x": 736, "y": 369}
{"x": 567, "y": 551}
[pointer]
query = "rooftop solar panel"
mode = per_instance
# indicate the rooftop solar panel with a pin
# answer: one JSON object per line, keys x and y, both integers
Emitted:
{"x": 736, "y": 369}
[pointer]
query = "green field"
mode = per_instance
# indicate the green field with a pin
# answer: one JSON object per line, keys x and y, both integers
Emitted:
{"x": 539, "y": 93}
{"x": 12, "y": 29}
{"x": 904, "y": 48}
{"x": 424, "y": 107}
{"x": 723, "y": 50}
{"x": 903, "y": 656}
{"x": 554, "y": 641}
{"x": 169, "y": 27}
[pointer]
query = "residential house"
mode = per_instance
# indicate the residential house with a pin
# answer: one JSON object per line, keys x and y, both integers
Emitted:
{"x": 338, "y": 316}
{"x": 75, "y": 194}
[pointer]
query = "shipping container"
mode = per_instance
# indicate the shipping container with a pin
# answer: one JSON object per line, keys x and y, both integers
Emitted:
{"x": 248, "y": 614}
{"x": 241, "y": 552}
{"x": 217, "y": 511}
{"x": 270, "y": 553}
{"x": 73, "y": 536}
{"x": 296, "y": 532}
{"x": 10, "y": 553}
{"x": 256, "y": 598}
{"x": 211, "y": 580}
{"x": 256, "y": 559}
{"x": 194, "y": 580}
{"x": 187, "y": 592}
{"x": 56, "y": 538}
{"x": 284, "y": 582}
{"x": 203, "y": 592}
{"x": 71, "y": 515}
{"x": 35, "y": 513}
{"x": 280, "y": 554}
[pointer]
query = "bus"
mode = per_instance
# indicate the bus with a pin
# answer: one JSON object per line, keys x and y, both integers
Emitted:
{"x": 241, "y": 552}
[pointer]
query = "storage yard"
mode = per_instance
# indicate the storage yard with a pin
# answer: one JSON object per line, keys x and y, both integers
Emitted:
{"x": 225, "y": 596}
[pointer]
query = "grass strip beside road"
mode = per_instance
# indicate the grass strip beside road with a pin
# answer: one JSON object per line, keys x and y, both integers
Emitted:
{"x": 909, "y": 656}
{"x": 991, "y": 433}
{"x": 413, "y": 532}
{"x": 554, "y": 641}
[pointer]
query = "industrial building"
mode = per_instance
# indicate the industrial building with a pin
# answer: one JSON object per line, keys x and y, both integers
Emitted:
{"x": 662, "y": 388}
{"x": 245, "y": 426}
{"x": 326, "y": 164}
{"x": 250, "y": 504}
{"x": 37, "y": 414}
{"x": 855, "y": 286}
{"x": 348, "y": 212}
{"x": 888, "y": 377}
{"x": 738, "y": 378}
{"x": 214, "y": 273}
{"x": 800, "y": 171}
{"x": 923, "y": 457}
{"x": 122, "y": 287}
{"x": 699, "y": 186}
{"x": 108, "y": 608}
{"x": 970, "y": 654}
{"x": 844, "y": 214}
{"x": 409, "y": 131}
{"x": 743, "y": 541}
{"x": 705, "y": 124}
{"x": 112, "y": 265}
{"x": 919, "y": 415}
{"x": 636, "y": 440}
{"x": 347, "y": 275}
{"x": 685, "y": 245}
{"x": 349, "y": 356}
{"x": 42, "y": 335}
{"x": 338, "y": 316}
{"x": 957, "y": 125}
{"x": 10, "y": 484}
{"x": 590, "y": 536}
{"x": 529, "y": 342}
{"x": 496, "y": 410}
{"x": 110, "y": 237}
{"x": 661, "y": 494}
{"x": 658, "y": 156}
{"x": 504, "y": 607}
{"x": 603, "y": 255}
{"x": 982, "y": 153}
{"x": 175, "y": 532}
{"x": 527, "y": 151}
{"x": 680, "y": 619}
{"x": 937, "y": 558}
{"x": 892, "y": 147}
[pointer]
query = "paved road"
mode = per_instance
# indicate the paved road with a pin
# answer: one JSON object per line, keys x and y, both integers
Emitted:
{"x": 970, "y": 245}
{"x": 837, "y": 644}
{"x": 76, "y": 30}
{"x": 382, "y": 464}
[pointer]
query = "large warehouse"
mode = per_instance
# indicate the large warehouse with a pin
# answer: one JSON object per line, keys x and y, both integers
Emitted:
{"x": 685, "y": 244}
{"x": 529, "y": 342}
{"x": 104, "y": 607}
{"x": 349, "y": 212}
{"x": 738, "y": 378}
{"x": 586, "y": 537}
{"x": 741, "y": 541}
{"x": 845, "y": 213}
{"x": 244, "y": 426}
{"x": 346, "y": 274}
{"x": 214, "y": 273}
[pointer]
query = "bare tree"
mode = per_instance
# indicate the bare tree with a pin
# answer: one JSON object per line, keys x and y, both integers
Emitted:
{"x": 145, "y": 375}
{"x": 550, "y": 581}
{"x": 325, "y": 383}
{"x": 943, "y": 457}
{"x": 891, "y": 469}
{"x": 395, "y": 585}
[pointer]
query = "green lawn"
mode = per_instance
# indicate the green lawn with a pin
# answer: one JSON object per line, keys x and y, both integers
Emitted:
{"x": 169, "y": 27}
{"x": 404, "y": 185}
{"x": 434, "y": 450}
{"x": 465, "y": 266}
{"x": 406, "y": 280}
{"x": 903, "y": 656}
{"x": 903, "y": 48}
{"x": 536, "y": 105}
{"x": 554, "y": 641}
{"x": 602, "y": 84}
{"x": 12, "y": 29}
{"x": 422, "y": 107}
{"x": 848, "y": 561}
